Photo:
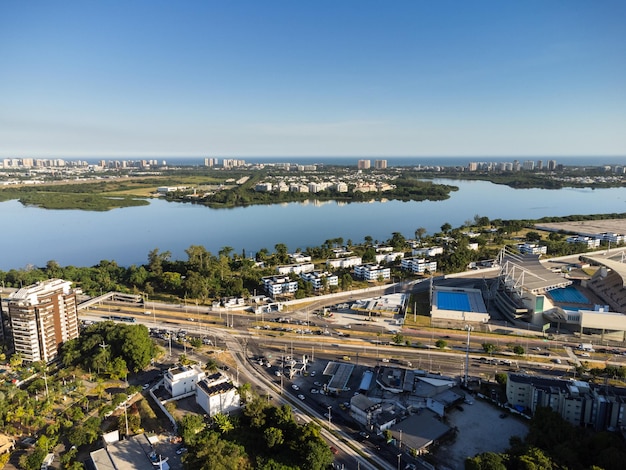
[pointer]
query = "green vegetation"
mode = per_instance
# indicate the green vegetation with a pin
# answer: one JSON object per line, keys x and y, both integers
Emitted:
{"x": 110, "y": 348}
{"x": 265, "y": 437}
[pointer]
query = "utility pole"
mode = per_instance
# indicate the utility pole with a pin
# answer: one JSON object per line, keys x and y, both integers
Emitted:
{"x": 469, "y": 329}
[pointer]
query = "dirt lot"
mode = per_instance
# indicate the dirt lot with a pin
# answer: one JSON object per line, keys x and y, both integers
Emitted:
{"x": 480, "y": 430}
{"x": 588, "y": 226}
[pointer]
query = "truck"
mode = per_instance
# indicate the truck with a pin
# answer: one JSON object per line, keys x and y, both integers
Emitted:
{"x": 586, "y": 347}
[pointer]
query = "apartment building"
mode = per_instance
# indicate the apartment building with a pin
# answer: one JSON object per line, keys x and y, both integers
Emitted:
{"x": 42, "y": 317}
{"x": 582, "y": 404}
{"x": 419, "y": 265}
{"x": 372, "y": 272}
{"x": 320, "y": 279}
{"x": 278, "y": 285}
{"x": 344, "y": 262}
{"x": 380, "y": 164}
{"x": 532, "y": 249}
{"x": 364, "y": 164}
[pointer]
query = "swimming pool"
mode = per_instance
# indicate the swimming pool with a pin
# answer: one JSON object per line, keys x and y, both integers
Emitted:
{"x": 568, "y": 295}
{"x": 458, "y": 301}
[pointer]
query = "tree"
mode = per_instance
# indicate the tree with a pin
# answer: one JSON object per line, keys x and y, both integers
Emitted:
{"x": 223, "y": 423}
{"x": 273, "y": 437}
{"x": 489, "y": 348}
{"x": 486, "y": 461}
{"x": 419, "y": 233}
{"x": 446, "y": 227}
{"x": 519, "y": 350}
{"x": 441, "y": 344}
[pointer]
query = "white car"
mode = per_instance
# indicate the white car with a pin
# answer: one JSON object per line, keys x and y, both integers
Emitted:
{"x": 295, "y": 387}
{"x": 301, "y": 397}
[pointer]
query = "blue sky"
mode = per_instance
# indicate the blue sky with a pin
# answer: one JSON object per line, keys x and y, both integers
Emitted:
{"x": 317, "y": 78}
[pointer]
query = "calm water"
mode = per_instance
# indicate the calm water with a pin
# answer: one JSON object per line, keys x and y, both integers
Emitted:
{"x": 35, "y": 236}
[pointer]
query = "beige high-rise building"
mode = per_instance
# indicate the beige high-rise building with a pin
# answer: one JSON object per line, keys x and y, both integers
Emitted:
{"x": 42, "y": 317}
{"x": 380, "y": 164}
{"x": 363, "y": 164}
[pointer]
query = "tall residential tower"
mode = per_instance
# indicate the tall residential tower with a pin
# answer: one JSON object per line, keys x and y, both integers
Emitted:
{"x": 42, "y": 317}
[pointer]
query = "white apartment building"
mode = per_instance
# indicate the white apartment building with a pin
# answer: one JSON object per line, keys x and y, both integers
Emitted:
{"x": 278, "y": 285}
{"x": 372, "y": 272}
{"x": 389, "y": 257}
{"x": 419, "y": 265}
{"x": 588, "y": 241}
{"x": 42, "y": 317}
{"x": 295, "y": 268}
{"x": 344, "y": 262}
{"x": 318, "y": 279}
{"x": 216, "y": 394}
{"x": 183, "y": 380}
{"x": 341, "y": 187}
{"x": 299, "y": 258}
{"x": 532, "y": 249}
{"x": 428, "y": 251}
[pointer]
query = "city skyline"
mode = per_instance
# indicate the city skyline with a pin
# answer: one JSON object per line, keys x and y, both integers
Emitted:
{"x": 330, "y": 79}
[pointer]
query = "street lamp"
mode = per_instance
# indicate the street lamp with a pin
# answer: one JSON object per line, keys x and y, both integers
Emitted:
{"x": 329, "y": 408}
{"x": 399, "y": 457}
{"x": 469, "y": 329}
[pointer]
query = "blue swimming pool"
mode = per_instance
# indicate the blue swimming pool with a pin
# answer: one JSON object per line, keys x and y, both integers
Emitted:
{"x": 453, "y": 301}
{"x": 568, "y": 295}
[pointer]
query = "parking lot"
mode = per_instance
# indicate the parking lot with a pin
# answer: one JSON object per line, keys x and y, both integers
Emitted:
{"x": 481, "y": 429}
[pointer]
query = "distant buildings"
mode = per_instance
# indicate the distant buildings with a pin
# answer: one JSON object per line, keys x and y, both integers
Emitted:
{"x": 380, "y": 164}
{"x": 42, "y": 317}
{"x": 363, "y": 164}
{"x": 599, "y": 407}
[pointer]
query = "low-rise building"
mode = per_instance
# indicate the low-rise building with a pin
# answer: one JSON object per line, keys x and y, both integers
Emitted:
{"x": 216, "y": 394}
{"x": 428, "y": 251}
{"x": 279, "y": 285}
{"x": 295, "y": 268}
{"x": 389, "y": 257}
{"x": 532, "y": 249}
{"x": 419, "y": 265}
{"x": 320, "y": 279}
{"x": 344, "y": 262}
{"x": 372, "y": 272}
{"x": 180, "y": 381}
{"x": 587, "y": 241}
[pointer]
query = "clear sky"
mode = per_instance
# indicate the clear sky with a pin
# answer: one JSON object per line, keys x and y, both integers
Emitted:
{"x": 312, "y": 78}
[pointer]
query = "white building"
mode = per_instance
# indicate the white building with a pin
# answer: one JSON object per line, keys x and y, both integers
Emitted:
{"x": 372, "y": 272}
{"x": 341, "y": 187}
{"x": 532, "y": 249}
{"x": 183, "y": 380}
{"x": 428, "y": 251}
{"x": 215, "y": 394}
{"x": 299, "y": 258}
{"x": 318, "y": 279}
{"x": 588, "y": 241}
{"x": 419, "y": 265}
{"x": 277, "y": 285}
{"x": 389, "y": 257}
{"x": 263, "y": 187}
{"x": 344, "y": 262}
{"x": 295, "y": 268}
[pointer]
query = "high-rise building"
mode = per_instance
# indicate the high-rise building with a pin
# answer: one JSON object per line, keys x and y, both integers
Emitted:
{"x": 363, "y": 164}
{"x": 42, "y": 317}
{"x": 380, "y": 164}
{"x": 551, "y": 165}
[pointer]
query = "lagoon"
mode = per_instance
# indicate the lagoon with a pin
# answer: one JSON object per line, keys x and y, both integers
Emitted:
{"x": 33, "y": 236}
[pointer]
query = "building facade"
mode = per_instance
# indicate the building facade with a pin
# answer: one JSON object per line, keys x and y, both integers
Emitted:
{"x": 42, "y": 317}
